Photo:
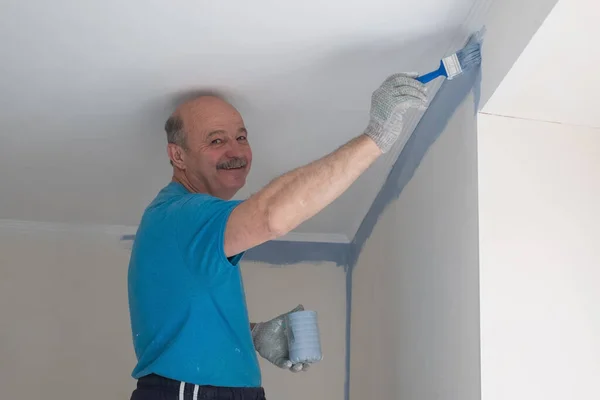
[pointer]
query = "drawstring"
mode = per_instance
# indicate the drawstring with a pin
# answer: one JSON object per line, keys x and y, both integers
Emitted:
{"x": 182, "y": 391}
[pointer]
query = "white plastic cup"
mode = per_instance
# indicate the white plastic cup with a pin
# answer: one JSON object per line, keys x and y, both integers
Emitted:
{"x": 304, "y": 341}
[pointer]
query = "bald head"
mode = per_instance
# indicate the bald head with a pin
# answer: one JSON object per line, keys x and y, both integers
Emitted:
{"x": 195, "y": 109}
{"x": 208, "y": 144}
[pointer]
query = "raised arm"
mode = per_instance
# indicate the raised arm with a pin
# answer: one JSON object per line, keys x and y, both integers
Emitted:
{"x": 298, "y": 195}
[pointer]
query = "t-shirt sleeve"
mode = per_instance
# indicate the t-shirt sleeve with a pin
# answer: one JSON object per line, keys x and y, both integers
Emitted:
{"x": 201, "y": 226}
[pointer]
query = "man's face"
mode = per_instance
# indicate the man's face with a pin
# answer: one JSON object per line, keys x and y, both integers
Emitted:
{"x": 218, "y": 156}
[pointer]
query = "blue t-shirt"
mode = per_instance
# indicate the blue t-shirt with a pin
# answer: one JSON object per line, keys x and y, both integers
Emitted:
{"x": 186, "y": 298}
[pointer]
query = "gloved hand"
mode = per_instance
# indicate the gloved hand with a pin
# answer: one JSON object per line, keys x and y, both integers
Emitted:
{"x": 271, "y": 342}
{"x": 389, "y": 105}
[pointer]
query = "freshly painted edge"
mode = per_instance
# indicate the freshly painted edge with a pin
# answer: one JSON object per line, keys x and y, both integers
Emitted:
{"x": 315, "y": 237}
{"x": 348, "y": 332}
{"x": 287, "y": 253}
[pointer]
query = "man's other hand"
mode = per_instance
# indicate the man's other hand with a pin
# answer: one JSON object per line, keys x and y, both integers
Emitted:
{"x": 271, "y": 342}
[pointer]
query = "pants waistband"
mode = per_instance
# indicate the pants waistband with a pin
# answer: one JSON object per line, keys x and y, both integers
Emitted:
{"x": 189, "y": 391}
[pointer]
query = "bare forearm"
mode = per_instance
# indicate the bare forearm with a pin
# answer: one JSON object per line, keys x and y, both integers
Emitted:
{"x": 293, "y": 198}
{"x": 300, "y": 194}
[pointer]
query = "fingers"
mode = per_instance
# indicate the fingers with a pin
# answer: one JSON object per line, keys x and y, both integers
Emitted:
{"x": 296, "y": 367}
{"x": 411, "y": 92}
{"x": 287, "y": 364}
{"x": 299, "y": 367}
{"x": 411, "y": 102}
{"x": 408, "y": 91}
{"x": 401, "y": 81}
{"x": 283, "y": 363}
{"x": 398, "y": 80}
{"x": 406, "y": 103}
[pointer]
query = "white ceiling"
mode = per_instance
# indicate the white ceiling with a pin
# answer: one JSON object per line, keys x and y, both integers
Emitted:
{"x": 85, "y": 87}
{"x": 556, "y": 77}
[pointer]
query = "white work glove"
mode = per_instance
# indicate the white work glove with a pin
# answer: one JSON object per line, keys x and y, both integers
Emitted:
{"x": 389, "y": 105}
{"x": 271, "y": 342}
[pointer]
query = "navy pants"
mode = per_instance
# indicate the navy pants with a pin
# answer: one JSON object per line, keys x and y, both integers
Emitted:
{"x": 154, "y": 387}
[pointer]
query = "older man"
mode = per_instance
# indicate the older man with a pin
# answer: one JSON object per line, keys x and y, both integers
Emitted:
{"x": 191, "y": 332}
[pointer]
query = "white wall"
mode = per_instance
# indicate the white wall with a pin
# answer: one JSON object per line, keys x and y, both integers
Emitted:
{"x": 564, "y": 46}
{"x": 510, "y": 25}
{"x": 415, "y": 305}
{"x": 66, "y": 333}
{"x": 540, "y": 261}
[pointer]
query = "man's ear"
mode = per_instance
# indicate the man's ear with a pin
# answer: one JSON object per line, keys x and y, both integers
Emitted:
{"x": 176, "y": 155}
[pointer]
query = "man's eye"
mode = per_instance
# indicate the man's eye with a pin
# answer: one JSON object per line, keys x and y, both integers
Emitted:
{"x": 242, "y": 138}
{"x": 217, "y": 141}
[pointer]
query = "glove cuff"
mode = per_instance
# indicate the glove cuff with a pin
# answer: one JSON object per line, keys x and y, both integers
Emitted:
{"x": 255, "y": 328}
{"x": 382, "y": 140}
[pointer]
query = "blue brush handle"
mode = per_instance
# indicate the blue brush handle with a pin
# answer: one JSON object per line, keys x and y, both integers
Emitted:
{"x": 441, "y": 71}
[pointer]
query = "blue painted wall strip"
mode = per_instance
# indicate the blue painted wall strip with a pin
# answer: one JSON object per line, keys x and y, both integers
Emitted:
{"x": 348, "y": 331}
{"x": 279, "y": 252}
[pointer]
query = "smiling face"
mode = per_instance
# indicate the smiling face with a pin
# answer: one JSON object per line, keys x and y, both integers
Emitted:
{"x": 215, "y": 156}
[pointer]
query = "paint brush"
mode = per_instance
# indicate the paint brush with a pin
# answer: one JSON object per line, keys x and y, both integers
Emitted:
{"x": 454, "y": 65}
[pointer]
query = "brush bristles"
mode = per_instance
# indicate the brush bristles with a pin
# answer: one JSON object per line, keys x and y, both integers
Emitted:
{"x": 469, "y": 56}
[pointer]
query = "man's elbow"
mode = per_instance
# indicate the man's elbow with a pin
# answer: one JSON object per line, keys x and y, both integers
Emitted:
{"x": 277, "y": 224}
{"x": 261, "y": 219}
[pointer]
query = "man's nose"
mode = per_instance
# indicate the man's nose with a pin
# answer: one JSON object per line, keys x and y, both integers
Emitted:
{"x": 234, "y": 149}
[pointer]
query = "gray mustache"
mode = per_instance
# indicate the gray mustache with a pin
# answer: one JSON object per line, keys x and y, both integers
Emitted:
{"x": 233, "y": 163}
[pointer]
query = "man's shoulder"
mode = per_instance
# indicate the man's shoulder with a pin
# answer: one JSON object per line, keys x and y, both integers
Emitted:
{"x": 174, "y": 201}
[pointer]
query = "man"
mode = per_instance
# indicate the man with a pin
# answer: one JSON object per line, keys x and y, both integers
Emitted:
{"x": 191, "y": 332}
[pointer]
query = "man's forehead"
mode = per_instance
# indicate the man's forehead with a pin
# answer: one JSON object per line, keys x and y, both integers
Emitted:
{"x": 224, "y": 132}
